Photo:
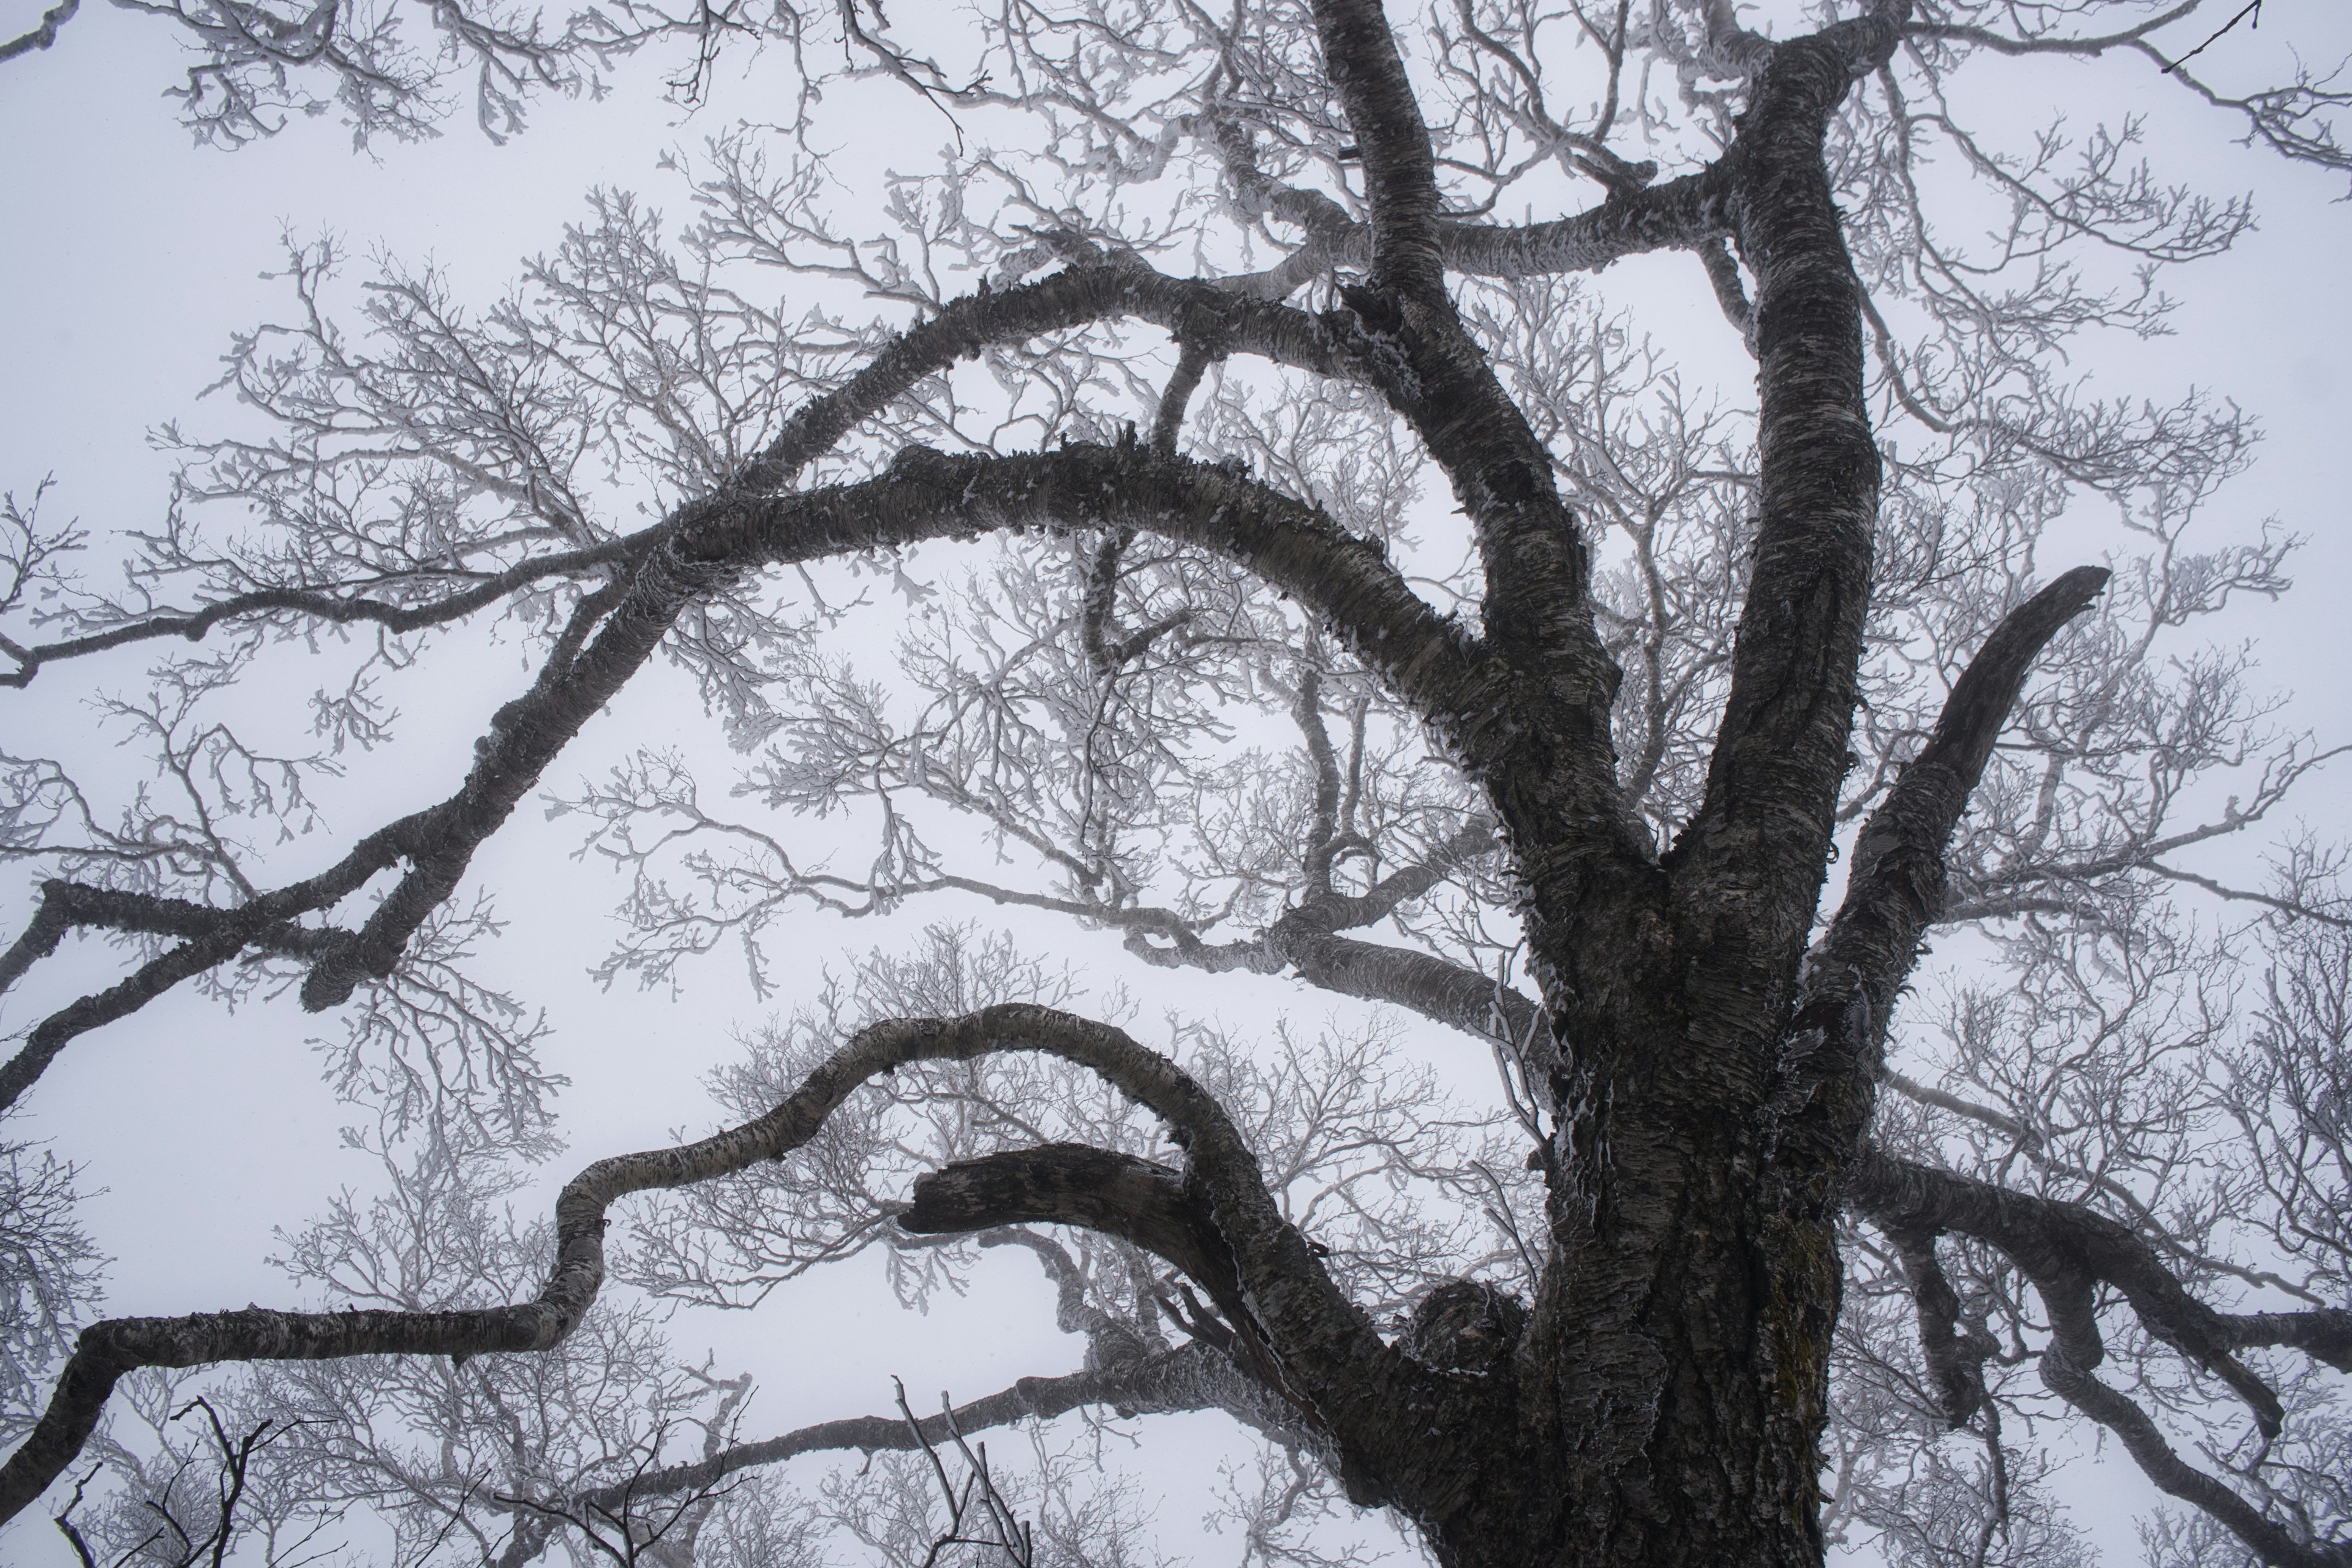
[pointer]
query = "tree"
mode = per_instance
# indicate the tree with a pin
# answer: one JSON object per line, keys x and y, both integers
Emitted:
{"x": 1578, "y": 762}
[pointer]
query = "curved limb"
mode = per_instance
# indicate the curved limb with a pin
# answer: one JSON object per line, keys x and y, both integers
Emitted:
{"x": 1323, "y": 1342}
{"x": 44, "y": 33}
{"x": 1760, "y": 838}
{"x": 925, "y": 496}
{"x": 1211, "y": 319}
{"x": 1896, "y": 887}
{"x": 2067, "y": 1250}
{"x": 1586, "y": 859}
{"x": 1186, "y": 1379}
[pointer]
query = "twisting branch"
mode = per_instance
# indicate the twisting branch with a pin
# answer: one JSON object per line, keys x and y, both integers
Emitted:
{"x": 1955, "y": 1360}
{"x": 44, "y": 33}
{"x": 331, "y": 607}
{"x": 926, "y": 496}
{"x": 1322, "y": 1341}
{"x": 2067, "y": 1250}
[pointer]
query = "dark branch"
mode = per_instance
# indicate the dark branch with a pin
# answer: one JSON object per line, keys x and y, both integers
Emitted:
{"x": 1075, "y": 1185}
{"x": 1320, "y": 1337}
{"x": 1748, "y": 869}
{"x": 1896, "y": 888}
{"x": 2066, "y": 1250}
{"x": 2052, "y": 1239}
{"x": 42, "y": 36}
{"x": 330, "y": 607}
{"x": 1189, "y": 1378}
{"x": 1360, "y": 54}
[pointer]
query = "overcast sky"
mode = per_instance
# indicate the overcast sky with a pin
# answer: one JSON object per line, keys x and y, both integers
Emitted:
{"x": 130, "y": 256}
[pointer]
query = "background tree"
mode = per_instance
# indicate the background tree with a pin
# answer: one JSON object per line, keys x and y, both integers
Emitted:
{"x": 1566, "y": 775}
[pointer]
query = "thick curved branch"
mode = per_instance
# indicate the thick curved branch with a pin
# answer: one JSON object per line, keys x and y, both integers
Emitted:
{"x": 1585, "y": 856}
{"x": 637, "y": 612}
{"x": 1193, "y": 361}
{"x": 116, "y": 1002}
{"x": 2050, "y": 1238}
{"x": 1198, "y": 312}
{"x": 1731, "y": 50}
{"x": 70, "y": 906}
{"x": 1172, "y": 1215}
{"x": 1323, "y": 1342}
{"x": 1897, "y": 885}
{"x": 2031, "y": 1144}
{"x": 2070, "y": 1376}
{"x": 1077, "y": 1185}
{"x": 1955, "y": 1360}
{"x": 1348, "y": 581}
{"x": 1682, "y": 214}
{"x": 1345, "y": 582}
{"x": 1634, "y": 219}
{"x": 1192, "y": 311}
{"x": 2067, "y": 1250}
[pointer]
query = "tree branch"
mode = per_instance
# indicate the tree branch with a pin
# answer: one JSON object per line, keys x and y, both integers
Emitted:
{"x": 1191, "y": 1377}
{"x": 2052, "y": 1239}
{"x": 326, "y": 605}
{"x": 1360, "y": 54}
{"x": 1897, "y": 885}
{"x": 2066, "y": 1249}
{"x": 926, "y": 496}
{"x": 1747, "y": 870}
{"x": 42, "y": 36}
{"x": 1077, "y": 1185}
{"x": 1324, "y": 1343}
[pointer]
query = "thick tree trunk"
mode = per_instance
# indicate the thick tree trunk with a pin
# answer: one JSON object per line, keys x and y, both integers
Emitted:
{"x": 1674, "y": 1379}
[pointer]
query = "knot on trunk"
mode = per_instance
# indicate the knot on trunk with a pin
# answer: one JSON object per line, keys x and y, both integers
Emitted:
{"x": 1465, "y": 1325}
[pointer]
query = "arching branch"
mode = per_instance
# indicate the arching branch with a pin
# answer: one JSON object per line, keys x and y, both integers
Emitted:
{"x": 1896, "y": 887}
{"x": 1324, "y": 1345}
{"x": 2067, "y": 1250}
{"x": 1189, "y": 1378}
{"x": 43, "y": 34}
{"x": 1347, "y": 580}
{"x": 1077, "y": 1185}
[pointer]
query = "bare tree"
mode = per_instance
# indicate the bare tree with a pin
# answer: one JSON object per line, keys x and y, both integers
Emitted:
{"x": 390, "y": 71}
{"x": 1763, "y": 1213}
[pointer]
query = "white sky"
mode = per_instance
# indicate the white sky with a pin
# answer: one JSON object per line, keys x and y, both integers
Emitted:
{"x": 130, "y": 256}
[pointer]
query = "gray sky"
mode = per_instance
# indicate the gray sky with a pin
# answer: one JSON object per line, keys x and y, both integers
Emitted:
{"x": 130, "y": 256}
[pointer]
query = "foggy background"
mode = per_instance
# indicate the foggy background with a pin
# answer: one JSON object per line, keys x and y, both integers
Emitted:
{"x": 130, "y": 256}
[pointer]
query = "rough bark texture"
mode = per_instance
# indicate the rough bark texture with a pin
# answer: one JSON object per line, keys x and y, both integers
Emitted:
{"x": 1661, "y": 1400}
